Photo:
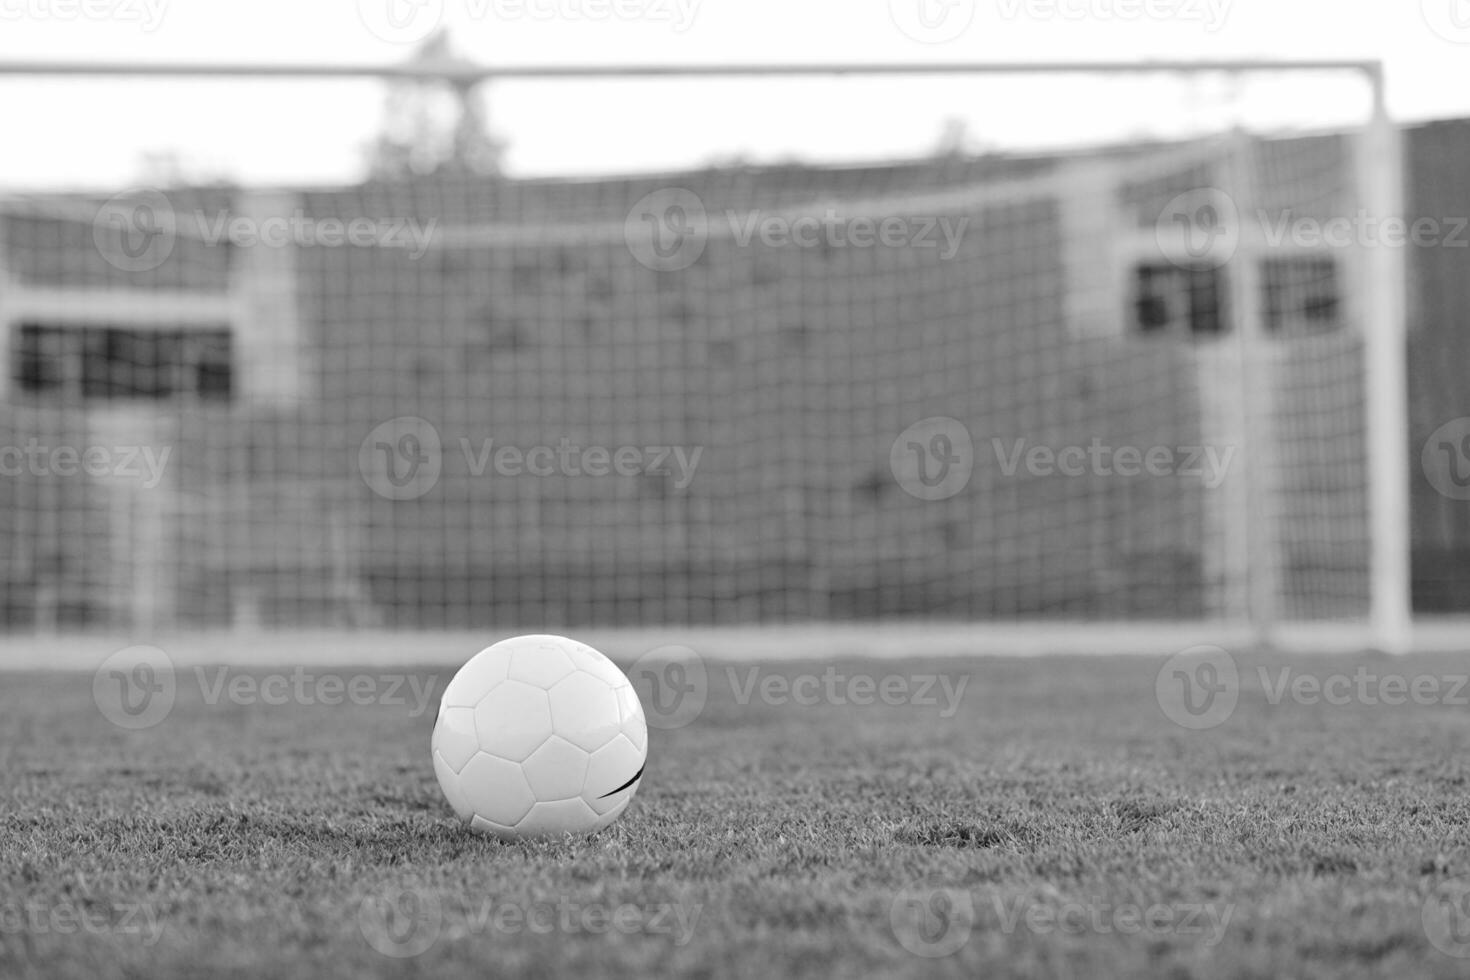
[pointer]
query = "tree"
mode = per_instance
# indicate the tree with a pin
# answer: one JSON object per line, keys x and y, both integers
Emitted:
{"x": 434, "y": 125}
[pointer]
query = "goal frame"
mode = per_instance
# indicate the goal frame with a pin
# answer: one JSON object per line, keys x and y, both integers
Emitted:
{"x": 1379, "y": 169}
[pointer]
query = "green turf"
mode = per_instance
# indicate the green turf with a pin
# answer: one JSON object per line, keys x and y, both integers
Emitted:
{"x": 780, "y": 835}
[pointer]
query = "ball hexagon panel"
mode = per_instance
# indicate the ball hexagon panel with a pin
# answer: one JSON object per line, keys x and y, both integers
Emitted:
{"x": 636, "y": 731}
{"x": 455, "y": 737}
{"x": 494, "y": 829}
{"x": 558, "y": 817}
{"x": 452, "y": 784}
{"x": 613, "y": 814}
{"x": 513, "y": 720}
{"x": 496, "y": 790}
{"x": 540, "y": 663}
{"x": 584, "y": 711}
{"x": 594, "y": 663}
{"x": 484, "y": 670}
{"x": 630, "y": 711}
{"x": 609, "y": 768}
{"x": 557, "y": 770}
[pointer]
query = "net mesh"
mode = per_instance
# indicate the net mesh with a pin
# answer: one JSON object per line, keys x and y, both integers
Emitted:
{"x": 1069, "y": 385}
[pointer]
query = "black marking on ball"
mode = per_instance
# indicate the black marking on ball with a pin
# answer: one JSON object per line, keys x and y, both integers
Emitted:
{"x": 636, "y": 776}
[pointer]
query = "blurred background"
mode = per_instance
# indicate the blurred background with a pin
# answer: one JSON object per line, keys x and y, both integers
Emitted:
{"x": 312, "y": 320}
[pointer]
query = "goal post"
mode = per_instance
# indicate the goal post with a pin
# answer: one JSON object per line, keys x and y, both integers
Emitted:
{"x": 1115, "y": 367}
{"x": 1382, "y": 174}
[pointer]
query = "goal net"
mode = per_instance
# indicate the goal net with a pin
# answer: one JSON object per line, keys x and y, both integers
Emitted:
{"x": 1064, "y": 348}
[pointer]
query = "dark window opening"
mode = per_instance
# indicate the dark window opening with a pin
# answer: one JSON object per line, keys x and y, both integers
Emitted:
{"x": 1302, "y": 296}
{"x": 1174, "y": 301}
{"x": 108, "y": 363}
{"x": 41, "y": 361}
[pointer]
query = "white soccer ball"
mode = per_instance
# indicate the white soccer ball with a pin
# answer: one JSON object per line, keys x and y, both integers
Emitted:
{"x": 539, "y": 736}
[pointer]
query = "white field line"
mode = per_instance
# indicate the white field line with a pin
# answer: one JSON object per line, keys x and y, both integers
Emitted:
{"x": 820, "y": 642}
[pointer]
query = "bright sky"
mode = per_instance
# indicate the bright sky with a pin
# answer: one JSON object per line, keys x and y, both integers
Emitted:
{"x": 97, "y": 132}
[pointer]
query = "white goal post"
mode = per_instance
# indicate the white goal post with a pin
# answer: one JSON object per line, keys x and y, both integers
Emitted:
{"x": 1260, "y": 560}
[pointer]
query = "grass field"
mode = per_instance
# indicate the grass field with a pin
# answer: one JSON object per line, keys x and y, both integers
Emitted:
{"x": 1055, "y": 824}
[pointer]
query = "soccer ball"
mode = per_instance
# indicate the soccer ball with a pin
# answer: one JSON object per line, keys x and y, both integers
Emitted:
{"x": 539, "y": 736}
